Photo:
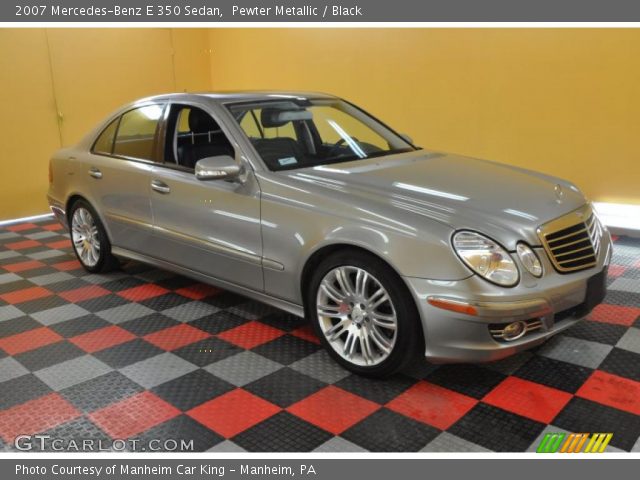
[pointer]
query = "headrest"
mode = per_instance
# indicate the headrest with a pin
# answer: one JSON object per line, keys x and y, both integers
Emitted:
{"x": 201, "y": 122}
{"x": 275, "y": 117}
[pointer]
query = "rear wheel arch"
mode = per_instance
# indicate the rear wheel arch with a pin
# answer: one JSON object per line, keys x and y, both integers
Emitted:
{"x": 71, "y": 202}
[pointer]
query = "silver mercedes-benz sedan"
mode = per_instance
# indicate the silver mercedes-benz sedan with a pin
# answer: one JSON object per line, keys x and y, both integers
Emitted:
{"x": 306, "y": 202}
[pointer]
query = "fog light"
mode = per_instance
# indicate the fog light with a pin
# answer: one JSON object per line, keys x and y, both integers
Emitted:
{"x": 529, "y": 259}
{"x": 514, "y": 330}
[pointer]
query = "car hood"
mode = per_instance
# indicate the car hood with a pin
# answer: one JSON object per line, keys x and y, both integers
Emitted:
{"x": 505, "y": 202}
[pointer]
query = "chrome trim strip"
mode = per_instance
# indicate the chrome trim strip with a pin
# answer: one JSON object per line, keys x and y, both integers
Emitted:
{"x": 131, "y": 221}
{"x": 217, "y": 247}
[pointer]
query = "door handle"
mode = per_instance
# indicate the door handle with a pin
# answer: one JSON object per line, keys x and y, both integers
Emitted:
{"x": 95, "y": 172}
{"x": 160, "y": 187}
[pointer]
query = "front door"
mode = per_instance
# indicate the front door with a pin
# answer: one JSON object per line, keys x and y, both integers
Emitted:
{"x": 211, "y": 227}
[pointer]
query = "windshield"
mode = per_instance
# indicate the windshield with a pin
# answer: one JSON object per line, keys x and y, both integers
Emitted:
{"x": 298, "y": 133}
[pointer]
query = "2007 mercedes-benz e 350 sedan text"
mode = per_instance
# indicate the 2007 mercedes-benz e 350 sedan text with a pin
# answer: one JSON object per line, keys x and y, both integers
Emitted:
{"x": 306, "y": 202}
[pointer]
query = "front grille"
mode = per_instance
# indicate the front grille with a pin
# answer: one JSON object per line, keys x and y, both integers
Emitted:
{"x": 573, "y": 241}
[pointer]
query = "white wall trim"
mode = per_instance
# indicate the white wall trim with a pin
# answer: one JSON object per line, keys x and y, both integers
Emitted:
{"x": 32, "y": 218}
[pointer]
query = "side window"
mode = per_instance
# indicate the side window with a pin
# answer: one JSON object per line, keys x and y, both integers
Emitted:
{"x": 192, "y": 135}
{"x": 104, "y": 142}
{"x": 137, "y": 131}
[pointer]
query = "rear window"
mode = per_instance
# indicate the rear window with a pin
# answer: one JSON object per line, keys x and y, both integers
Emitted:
{"x": 104, "y": 143}
{"x": 137, "y": 132}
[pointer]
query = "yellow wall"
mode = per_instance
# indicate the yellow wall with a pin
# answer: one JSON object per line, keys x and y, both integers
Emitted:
{"x": 56, "y": 84}
{"x": 562, "y": 101}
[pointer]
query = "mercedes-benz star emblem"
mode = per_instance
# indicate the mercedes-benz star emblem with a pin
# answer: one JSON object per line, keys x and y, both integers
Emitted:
{"x": 559, "y": 192}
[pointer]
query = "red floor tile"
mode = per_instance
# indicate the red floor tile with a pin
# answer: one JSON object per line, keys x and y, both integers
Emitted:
{"x": 60, "y": 244}
{"x": 137, "y": 294}
{"x": 67, "y": 266}
{"x": 23, "y": 266}
{"x": 53, "y": 227}
{"x": 176, "y": 337}
{"x": 133, "y": 415}
{"x": 35, "y": 416}
{"x": 333, "y": 409}
{"x": 613, "y": 391}
{"x": 529, "y": 399}
{"x": 616, "y": 270}
{"x": 432, "y": 404}
{"x": 615, "y": 314}
{"x": 251, "y": 334}
{"x": 233, "y": 412}
{"x": 21, "y": 227}
{"x": 102, "y": 338}
{"x": 22, "y": 244}
{"x": 306, "y": 333}
{"x": 198, "y": 291}
{"x": 29, "y": 340}
{"x": 84, "y": 293}
{"x": 25, "y": 295}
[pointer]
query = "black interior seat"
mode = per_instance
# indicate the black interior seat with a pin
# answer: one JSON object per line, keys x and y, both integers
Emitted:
{"x": 205, "y": 139}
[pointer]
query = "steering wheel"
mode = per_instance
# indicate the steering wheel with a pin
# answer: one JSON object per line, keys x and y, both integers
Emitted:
{"x": 338, "y": 144}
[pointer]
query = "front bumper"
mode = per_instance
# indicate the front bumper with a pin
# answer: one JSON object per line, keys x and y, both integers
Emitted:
{"x": 553, "y": 303}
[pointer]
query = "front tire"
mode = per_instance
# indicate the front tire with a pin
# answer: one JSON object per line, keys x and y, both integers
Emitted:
{"x": 89, "y": 239}
{"x": 363, "y": 314}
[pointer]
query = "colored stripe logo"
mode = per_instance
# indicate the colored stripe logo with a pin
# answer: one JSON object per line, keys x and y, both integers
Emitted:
{"x": 574, "y": 443}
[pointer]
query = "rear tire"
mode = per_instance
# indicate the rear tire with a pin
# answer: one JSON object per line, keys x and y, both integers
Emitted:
{"x": 89, "y": 239}
{"x": 363, "y": 313}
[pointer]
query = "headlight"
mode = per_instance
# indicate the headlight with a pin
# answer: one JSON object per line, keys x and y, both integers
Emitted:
{"x": 486, "y": 258}
{"x": 529, "y": 259}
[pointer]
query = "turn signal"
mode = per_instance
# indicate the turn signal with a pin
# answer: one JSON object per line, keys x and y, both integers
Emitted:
{"x": 452, "y": 305}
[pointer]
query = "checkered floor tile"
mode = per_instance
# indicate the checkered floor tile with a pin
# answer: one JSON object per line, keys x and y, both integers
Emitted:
{"x": 145, "y": 354}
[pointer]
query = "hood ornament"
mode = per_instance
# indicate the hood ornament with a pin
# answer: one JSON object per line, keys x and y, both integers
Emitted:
{"x": 559, "y": 193}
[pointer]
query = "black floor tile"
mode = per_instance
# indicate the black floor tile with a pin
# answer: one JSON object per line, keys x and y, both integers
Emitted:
{"x": 17, "y": 325}
{"x": 149, "y": 324}
{"x": 218, "y": 322}
{"x": 497, "y": 429}
{"x": 597, "y": 332}
{"x": 192, "y": 389}
{"x": 49, "y": 355}
{"x": 554, "y": 373}
{"x": 284, "y": 387}
{"x": 286, "y": 349}
{"x": 470, "y": 380}
{"x": 581, "y": 415}
{"x": 206, "y": 351}
{"x": 282, "y": 432}
{"x": 622, "y": 363}
{"x": 78, "y": 326}
{"x": 101, "y": 391}
{"x": 387, "y": 431}
{"x": 374, "y": 389}
{"x": 21, "y": 390}
{"x": 127, "y": 353}
{"x": 180, "y": 434}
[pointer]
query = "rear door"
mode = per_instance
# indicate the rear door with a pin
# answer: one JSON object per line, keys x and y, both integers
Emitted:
{"x": 119, "y": 171}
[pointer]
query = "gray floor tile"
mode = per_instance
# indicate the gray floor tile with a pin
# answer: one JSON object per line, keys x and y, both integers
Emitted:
{"x": 10, "y": 369}
{"x": 320, "y": 366}
{"x": 159, "y": 369}
{"x": 72, "y": 372}
{"x": 59, "y": 314}
{"x": 576, "y": 351}
{"x": 243, "y": 368}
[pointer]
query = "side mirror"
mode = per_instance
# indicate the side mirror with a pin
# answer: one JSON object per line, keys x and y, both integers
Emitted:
{"x": 406, "y": 138}
{"x": 221, "y": 167}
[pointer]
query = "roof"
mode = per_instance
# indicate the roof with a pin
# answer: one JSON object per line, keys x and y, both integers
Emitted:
{"x": 249, "y": 95}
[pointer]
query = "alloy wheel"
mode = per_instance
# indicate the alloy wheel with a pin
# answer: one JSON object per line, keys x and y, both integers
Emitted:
{"x": 84, "y": 234}
{"x": 356, "y": 315}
